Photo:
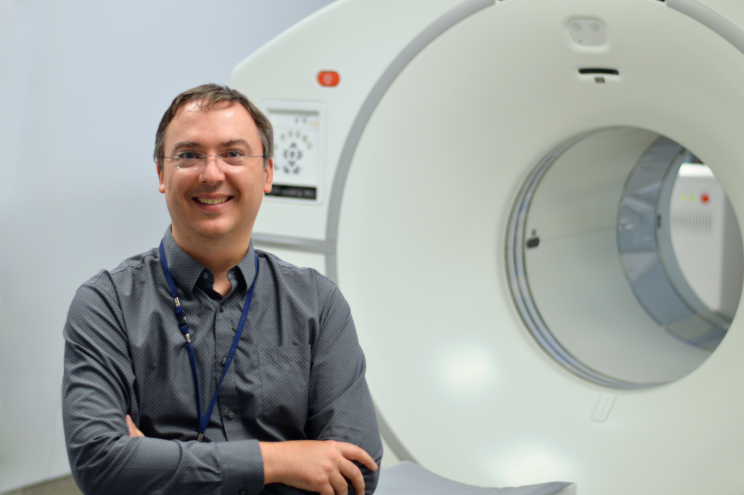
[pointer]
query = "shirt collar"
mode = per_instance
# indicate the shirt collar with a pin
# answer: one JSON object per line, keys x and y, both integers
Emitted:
{"x": 186, "y": 270}
{"x": 247, "y": 265}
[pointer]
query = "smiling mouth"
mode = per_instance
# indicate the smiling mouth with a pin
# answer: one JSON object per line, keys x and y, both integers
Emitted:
{"x": 212, "y": 201}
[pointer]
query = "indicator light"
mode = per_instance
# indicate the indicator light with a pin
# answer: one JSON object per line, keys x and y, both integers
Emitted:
{"x": 328, "y": 78}
{"x": 704, "y": 198}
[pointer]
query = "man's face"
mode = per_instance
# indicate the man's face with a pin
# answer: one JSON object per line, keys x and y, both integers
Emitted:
{"x": 217, "y": 200}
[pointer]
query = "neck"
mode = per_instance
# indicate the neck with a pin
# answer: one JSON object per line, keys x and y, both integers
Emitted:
{"x": 219, "y": 255}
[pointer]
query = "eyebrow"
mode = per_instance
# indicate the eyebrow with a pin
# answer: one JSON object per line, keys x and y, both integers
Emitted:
{"x": 234, "y": 142}
{"x": 189, "y": 144}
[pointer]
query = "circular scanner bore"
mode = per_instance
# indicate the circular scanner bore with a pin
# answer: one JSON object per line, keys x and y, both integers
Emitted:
{"x": 604, "y": 258}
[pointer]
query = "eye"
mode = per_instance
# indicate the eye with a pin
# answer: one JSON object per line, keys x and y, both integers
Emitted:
{"x": 233, "y": 157}
{"x": 188, "y": 155}
{"x": 233, "y": 154}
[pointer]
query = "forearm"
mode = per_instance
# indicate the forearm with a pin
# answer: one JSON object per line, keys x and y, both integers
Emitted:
{"x": 104, "y": 459}
{"x": 131, "y": 466}
{"x": 98, "y": 391}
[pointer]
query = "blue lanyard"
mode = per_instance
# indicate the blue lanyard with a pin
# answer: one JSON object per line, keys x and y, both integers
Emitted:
{"x": 183, "y": 326}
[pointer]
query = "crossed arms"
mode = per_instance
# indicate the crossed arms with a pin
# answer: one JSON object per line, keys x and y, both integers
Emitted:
{"x": 108, "y": 455}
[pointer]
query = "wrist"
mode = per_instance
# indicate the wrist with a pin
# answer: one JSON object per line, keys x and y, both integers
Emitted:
{"x": 269, "y": 455}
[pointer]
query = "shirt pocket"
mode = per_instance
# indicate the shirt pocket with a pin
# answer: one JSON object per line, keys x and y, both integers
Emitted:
{"x": 285, "y": 378}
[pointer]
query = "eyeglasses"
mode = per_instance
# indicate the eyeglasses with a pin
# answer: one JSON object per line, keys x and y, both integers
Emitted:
{"x": 195, "y": 160}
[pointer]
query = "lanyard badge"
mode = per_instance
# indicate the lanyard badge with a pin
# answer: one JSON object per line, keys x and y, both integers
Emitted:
{"x": 184, "y": 328}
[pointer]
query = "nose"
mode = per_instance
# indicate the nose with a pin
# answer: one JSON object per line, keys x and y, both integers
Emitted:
{"x": 212, "y": 171}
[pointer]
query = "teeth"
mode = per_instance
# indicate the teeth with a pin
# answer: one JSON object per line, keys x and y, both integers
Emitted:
{"x": 207, "y": 201}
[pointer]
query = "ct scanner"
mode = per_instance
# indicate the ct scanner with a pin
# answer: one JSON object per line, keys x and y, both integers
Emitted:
{"x": 490, "y": 182}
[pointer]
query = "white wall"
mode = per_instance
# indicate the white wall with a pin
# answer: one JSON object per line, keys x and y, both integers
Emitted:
{"x": 83, "y": 85}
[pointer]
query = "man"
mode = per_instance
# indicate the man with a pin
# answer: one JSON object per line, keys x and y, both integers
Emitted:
{"x": 205, "y": 366}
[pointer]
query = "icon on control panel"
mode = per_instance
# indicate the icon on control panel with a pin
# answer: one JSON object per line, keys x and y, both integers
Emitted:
{"x": 298, "y": 149}
{"x": 292, "y": 155}
{"x": 293, "y": 146}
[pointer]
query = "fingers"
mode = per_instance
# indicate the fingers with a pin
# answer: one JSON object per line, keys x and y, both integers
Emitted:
{"x": 318, "y": 466}
{"x": 350, "y": 470}
{"x": 354, "y": 453}
{"x": 354, "y": 475}
{"x": 339, "y": 484}
{"x": 133, "y": 430}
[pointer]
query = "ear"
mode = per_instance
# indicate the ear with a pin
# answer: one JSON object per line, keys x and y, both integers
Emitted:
{"x": 269, "y": 169}
{"x": 161, "y": 187}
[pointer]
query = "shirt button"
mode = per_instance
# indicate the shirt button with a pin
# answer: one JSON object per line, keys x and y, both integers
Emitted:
{"x": 230, "y": 414}
{"x": 222, "y": 309}
{"x": 224, "y": 361}
{"x": 205, "y": 275}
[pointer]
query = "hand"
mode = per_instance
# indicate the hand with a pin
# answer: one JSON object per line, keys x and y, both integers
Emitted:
{"x": 315, "y": 465}
{"x": 133, "y": 430}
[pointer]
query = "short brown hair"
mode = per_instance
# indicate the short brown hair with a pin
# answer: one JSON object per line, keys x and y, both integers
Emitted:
{"x": 211, "y": 94}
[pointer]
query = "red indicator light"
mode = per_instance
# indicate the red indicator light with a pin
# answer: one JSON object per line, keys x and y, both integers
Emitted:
{"x": 328, "y": 78}
{"x": 704, "y": 198}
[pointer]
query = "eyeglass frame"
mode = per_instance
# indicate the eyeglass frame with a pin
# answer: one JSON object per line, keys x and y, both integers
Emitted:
{"x": 204, "y": 158}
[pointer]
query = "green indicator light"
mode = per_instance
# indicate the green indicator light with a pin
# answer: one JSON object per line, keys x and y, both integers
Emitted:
{"x": 692, "y": 197}
{"x": 684, "y": 197}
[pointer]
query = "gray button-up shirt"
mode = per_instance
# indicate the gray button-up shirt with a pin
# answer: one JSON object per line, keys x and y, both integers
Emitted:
{"x": 298, "y": 373}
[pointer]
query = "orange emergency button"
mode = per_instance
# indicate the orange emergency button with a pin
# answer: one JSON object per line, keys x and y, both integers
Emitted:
{"x": 328, "y": 78}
